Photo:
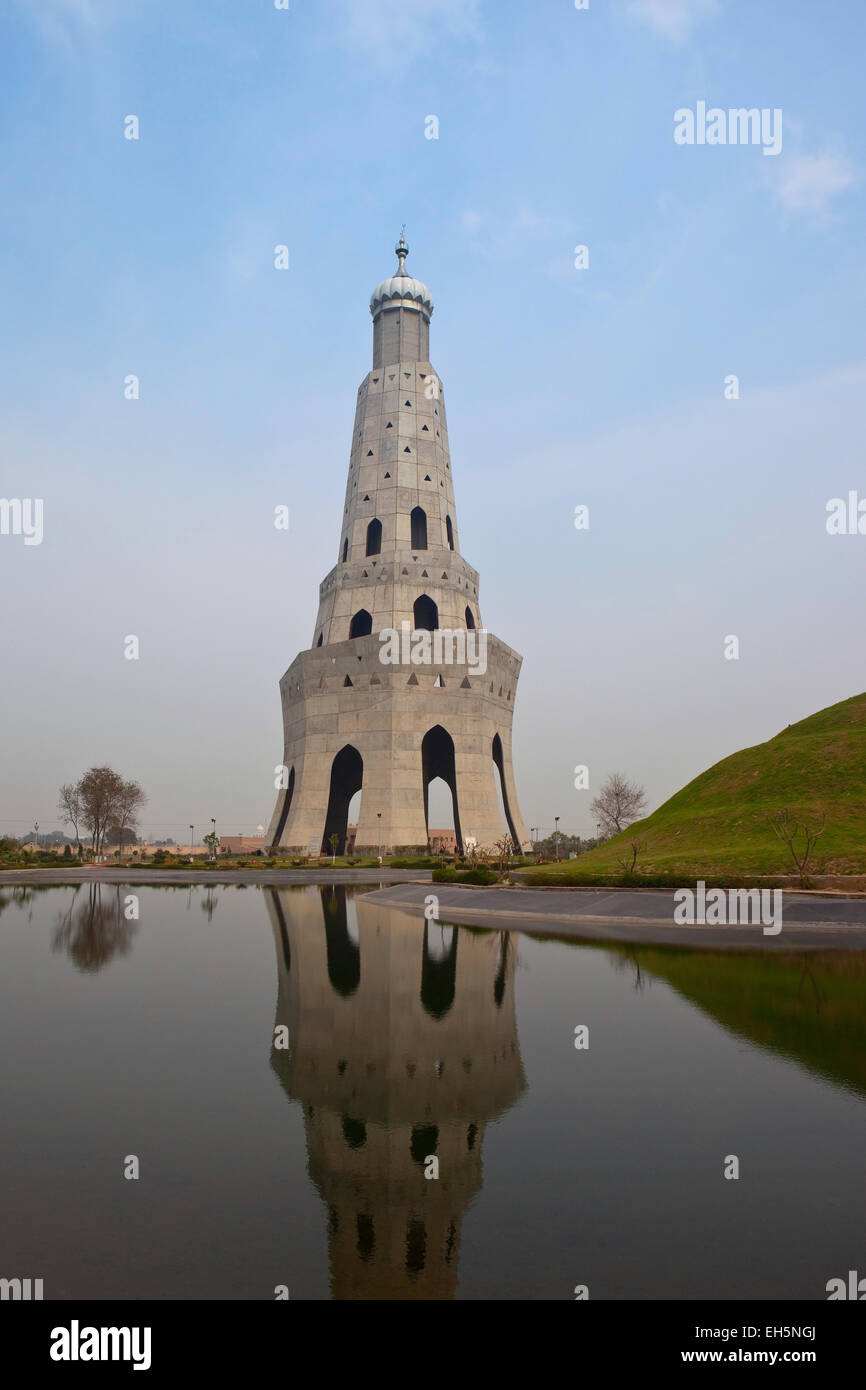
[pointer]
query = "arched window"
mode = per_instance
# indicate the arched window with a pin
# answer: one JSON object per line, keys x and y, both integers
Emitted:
{"x": 319, "y": 643}
{"x": 470, "y": 621}
{"x": 426, "y": 614}
{"x": 345, "y": 549}
{"x": 449, "y": 531}
{"x": 419, "y": 528}
{"x": 362, "y": 624}
{"x": 374, "y": 537}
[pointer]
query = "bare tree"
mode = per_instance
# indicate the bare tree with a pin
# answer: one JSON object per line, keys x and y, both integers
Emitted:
{"x": 69, "y": 806}
{"x": 100, "y": 790}
{"x": 637, "y": 847}
{"x": 503, "y": 849}
{"x": 798, "y": 835}
{"x": 130, "y": 800}
{"x": 618, "y": 804}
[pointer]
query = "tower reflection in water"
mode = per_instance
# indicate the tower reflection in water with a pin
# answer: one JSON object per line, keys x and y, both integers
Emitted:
{"x": 402, "y": 1043}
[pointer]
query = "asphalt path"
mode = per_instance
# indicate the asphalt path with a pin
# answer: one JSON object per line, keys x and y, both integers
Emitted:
{"x": 809, "y": 921}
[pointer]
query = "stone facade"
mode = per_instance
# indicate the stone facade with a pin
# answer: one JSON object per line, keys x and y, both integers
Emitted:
{"x": 354, "y": 720}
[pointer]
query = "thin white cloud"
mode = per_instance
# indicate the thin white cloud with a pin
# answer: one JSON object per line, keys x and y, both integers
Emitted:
{"x": 674, "y": 19}
{"x": 71, "y": 25}
{"x": 393, "y": 31}
{"x": 808, "y": 183}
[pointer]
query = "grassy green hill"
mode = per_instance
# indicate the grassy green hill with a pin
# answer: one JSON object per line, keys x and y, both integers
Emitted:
{"x": 717, "y": 825}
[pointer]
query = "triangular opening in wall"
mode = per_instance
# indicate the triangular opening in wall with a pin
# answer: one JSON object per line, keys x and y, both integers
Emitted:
{"x": 375, "y": 378}
{"x": 374, "y": 564}
{"x": 347, "y": 681}
{"x": 413, "y": 679}
{"x": 423, "y": 376}
{"x": 364, "y": 574}
{"x": 425, "y": 427}
{"x": 407, "y": 373}
{"x": 465, "y": 684}
{"x": 427, "y": 477}
{"x": 366, "y": 496}
{"x": 404, "y": 571}
{"x": 374, "y": 680}
{"x": 409, "y": 403}
{"x": 444, "y": 574}
{"x": 389, "y": 426}
{"x": 407, "y": 450}
{"x": 369, "y": 453}
{"x": 391, "y": 376}
{"x": 424, "y": 574}
{"x": 387, "y": 475}
{"x": 439, "y": 683}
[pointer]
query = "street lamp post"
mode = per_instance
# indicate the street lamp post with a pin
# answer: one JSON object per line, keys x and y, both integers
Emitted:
{"x": 379, "y": 819}
{"x": 213, "y": 843}
{"x": 191, "y": 838}
{"x": 556, "y": 822}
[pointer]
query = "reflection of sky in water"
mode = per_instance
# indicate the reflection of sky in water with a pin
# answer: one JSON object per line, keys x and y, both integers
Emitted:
{"x": 408, "y": 1040}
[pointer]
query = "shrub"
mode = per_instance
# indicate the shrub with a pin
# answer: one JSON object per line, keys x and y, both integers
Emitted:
{"x": 476, "y": 875}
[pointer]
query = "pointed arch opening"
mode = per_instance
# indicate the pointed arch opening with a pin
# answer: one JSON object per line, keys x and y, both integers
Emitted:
{"x": 499, "y": 764}
{"x": 438, "y": 969}
{"x": 347, "y": 775}
{"x": 345, "y": 549}
{"x": 449, "y": 531}
{"x": 437, "y": 761}
{"x": 419, "y": 528}
{"x": 374, "y": 537}
{"x": 470, "y": 619}
{"x": 425, "y": 613}
{"x": 287, "y": 805}
{"x": 343, "y": 954}
{"x": 361, "y": 624}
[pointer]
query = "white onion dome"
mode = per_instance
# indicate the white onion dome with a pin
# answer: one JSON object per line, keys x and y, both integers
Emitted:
{"x": 401, "y": 286}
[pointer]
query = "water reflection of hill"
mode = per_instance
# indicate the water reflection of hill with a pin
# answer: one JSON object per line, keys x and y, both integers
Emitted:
{"x": 808, "y": 1006}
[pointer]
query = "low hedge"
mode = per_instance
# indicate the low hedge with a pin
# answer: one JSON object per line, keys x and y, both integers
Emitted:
{"x": 477, "y": 875}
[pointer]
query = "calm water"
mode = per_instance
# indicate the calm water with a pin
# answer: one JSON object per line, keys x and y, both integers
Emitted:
{"x": 304, "y": 1165}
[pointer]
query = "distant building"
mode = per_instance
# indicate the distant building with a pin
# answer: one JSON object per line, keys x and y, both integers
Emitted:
{"x": 241, "y": 844}
{"x": 442, "y": 841}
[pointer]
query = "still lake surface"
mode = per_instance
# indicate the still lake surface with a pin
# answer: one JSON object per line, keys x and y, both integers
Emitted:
{"x": 283, "y": 1062}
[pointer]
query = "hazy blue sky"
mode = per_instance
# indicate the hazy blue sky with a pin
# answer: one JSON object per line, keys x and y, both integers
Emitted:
{"x": 602, "y": 386}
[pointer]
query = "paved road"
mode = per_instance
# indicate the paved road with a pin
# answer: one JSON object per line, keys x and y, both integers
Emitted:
{"x": 809, "y": 921}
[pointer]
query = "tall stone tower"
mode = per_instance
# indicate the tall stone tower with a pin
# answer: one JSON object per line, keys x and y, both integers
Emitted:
{"x": 363, "y": 709}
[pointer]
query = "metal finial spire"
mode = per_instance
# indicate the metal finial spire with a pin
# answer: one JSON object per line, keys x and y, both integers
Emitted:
{"x": 402, "y": 251}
